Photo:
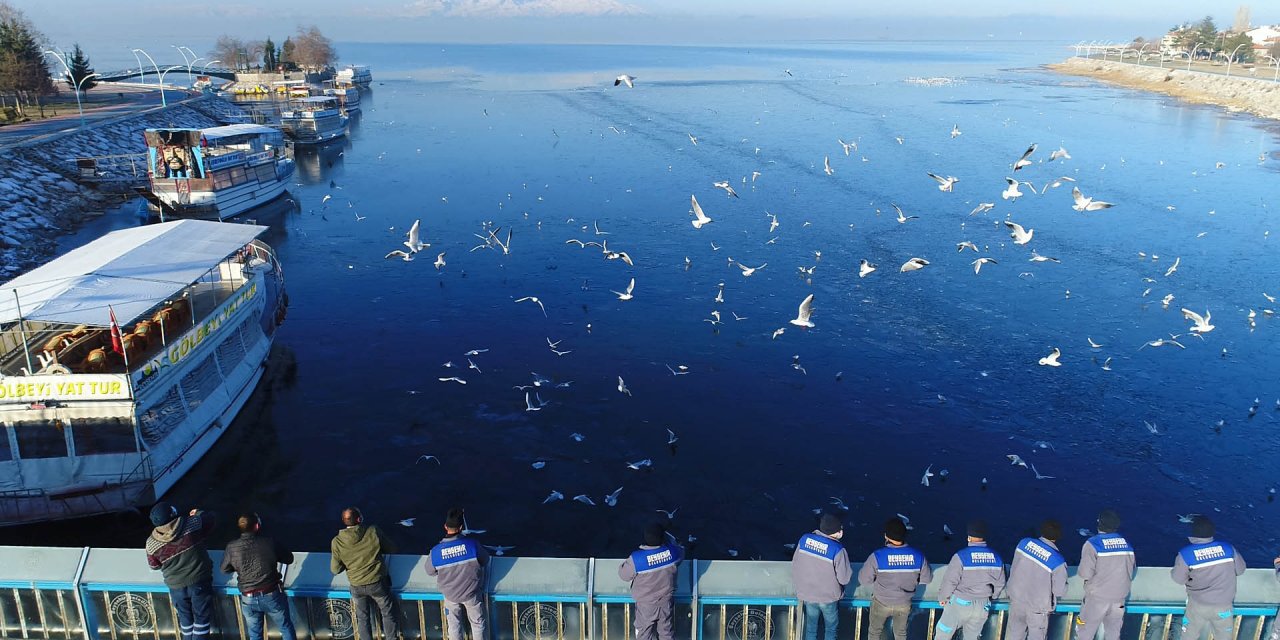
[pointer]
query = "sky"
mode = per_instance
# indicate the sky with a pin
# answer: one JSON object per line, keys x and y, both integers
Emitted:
{"x": 755, "y": 22}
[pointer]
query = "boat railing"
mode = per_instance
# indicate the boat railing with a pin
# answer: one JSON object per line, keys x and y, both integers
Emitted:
{"x": 128, "y": 169}
{"x": 96, "y": 594}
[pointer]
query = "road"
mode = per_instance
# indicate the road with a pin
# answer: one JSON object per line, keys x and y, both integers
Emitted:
{"x": 135, "y": 99}
{"x": 1260, "y": 71}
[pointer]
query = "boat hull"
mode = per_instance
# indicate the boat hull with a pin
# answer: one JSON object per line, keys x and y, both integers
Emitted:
{"x": 165, "y": 200}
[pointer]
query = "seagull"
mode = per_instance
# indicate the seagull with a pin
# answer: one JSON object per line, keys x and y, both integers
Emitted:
{"x": 414, "y": 242}
{"x": 913, "y": 264}
{"x": 720, "y": 294}
{"x": 826, "y": 166}
{"x": 584, "y": 500}
{"x": 553, "y": 496}
{"x": 672, "y": 437}
{"x": 1160, "y": 342}
{"x": 977, "y": 264}
{"x": 612, "y": 498}
{"x": 1023, "y": 161}
{"x": 1093, "y": 344}
{"x": 1087, "y": 204}
{"x": 1177, "y": 261}
{"x": 577, "y": 437}
{"x": 453, "y": 379}
{"x": 727, "y": 189}
{"x": 692, "y": 139}
{"x": 498, "y": 550}
{"x": 955, "y": 131}
{"x": 864, "y": 268}
{"x": 1012, "y": 191}
{"x": 1019, "y": 235}
{"x": 983, "y": 207}
{"x": 407, "y": 256}
{"x": 326, "y": 198}
{"x": 683, "y": 370}
{"x": 1051, "y": 360}
{"x": 1038, "y": 475}
{"x": 1060, "y": 153}
{"x": 1035, "y": 257}
{"x": 627, "y": 295}
{"x": 773, "y": 222}
{"x": 945, "y": 184}
{"x": 847, "y": 146}
{"x": 778, "y": 332}
{"x": 472, "y": 365}
{"x": 671, "y": 515}
{"x": 528, "y": 403}
{"x": 407, "y": 522}
{"x": 902, "y": 219}
{"x": 425, "y": 457}
{"x": 1188, "y": 518}
{"x": 596, "y": 225}
{"x": 1016, "y": 459}
{"x": 534, "y": 299}
{"x": 640, "y": 464}
{"x": 1106, "y": 366}
{"x": 539, "y": 464}
{"x": 699, "y": 218}
{"x": 961, "y": 246}
{"x": 625, "y": 79}
{"x": 803, "y": 314}
{"x": 738, "y": 317}
{"x": 1201, "y": 323}
{"x": 440, "y": 261}
{"x": 622, "y": 386}
{"x": 476, "y": 352}
{"x": 748, "y": 271}
{"x": 928, "y": 473}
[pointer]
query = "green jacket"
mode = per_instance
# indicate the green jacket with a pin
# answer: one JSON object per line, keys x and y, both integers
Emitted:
{"x": 358, "y": 550}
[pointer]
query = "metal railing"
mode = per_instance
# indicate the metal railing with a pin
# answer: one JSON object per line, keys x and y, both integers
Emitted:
{"x": 111, "y": 594}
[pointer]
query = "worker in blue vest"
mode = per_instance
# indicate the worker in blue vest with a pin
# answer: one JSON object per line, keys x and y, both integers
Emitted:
{"x": 1037, "y": 578}
{"x": 820, "y": 570}
{"x": 651, "y": 570}
{"x": 458, "y": 563}
{"x": 895, "y": 570}
{"x": 1208, "y": 568}
{"x": 974, "y": 577}
{"x": 1107, "y": 566}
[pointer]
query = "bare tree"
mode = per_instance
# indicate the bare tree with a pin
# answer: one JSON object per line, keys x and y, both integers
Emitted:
{"x": 312, "y": 50}
{"x": 228, "y": 49}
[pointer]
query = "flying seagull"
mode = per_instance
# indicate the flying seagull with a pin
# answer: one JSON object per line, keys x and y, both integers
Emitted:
{"x": 1051, "y": 360}
{"x": 1060, "y": 153}
{"x": 724, "y": 184}
{"x": 913, "y": 264}
{"x": 1012, "y": 192}
{"x": 977, "y": 264}
{"x": 1201, "y": 323}
{"x": 625, "y": 79}
{"x": 1019, "y": 235}
{"x": 1024, "y": 161}
{"x": 699, "y": 218}
{"x": 414, "y": 242}
{"x": 627, "y": 295}
{"x": 945, "y": 184}
{"x": 534, "y": 299}
{"x": 803, "y": 314}
{"x": 865, "y": 268}
{"x": 1087, "y": 204}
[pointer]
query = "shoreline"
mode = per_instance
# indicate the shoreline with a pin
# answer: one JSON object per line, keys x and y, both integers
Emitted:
{"x": 1236, "y": 93}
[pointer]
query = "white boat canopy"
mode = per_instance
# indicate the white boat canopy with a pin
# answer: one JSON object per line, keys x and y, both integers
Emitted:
{"x": 131, "y": 270}
{"x": 228, "y": 131}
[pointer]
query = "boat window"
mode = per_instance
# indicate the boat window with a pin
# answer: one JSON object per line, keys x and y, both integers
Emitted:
{"x": 102, "y": 435}
{"x": 41, "y": 439}
{"x": 162, "y": 417}
{"x": 266, "y": 172}
{"x": 231, "y": 351}
{"x": 200, "y": 383}
{"x": 6, "y": 450}
{"x": 222, "y": 179}
{"x": 237, "y": 175}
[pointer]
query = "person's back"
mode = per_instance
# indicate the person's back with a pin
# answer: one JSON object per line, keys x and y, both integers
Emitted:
{"x": 458, "y": 564}
{"x": 652, "y": 570}
{"x": 179, "y": 549}
{"x": 1107, "y": 566}
{"x": 1037, "y": 578}
{"x": 820, "y": 570}
{"x": 358, "y": 550}
{"x": 894, "y": 570}
{"x": 1208, "y": 568}
{"x": 254, "y": 557}
{"x": 973, "y": 578}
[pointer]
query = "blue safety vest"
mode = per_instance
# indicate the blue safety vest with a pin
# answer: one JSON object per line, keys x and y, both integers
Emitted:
{"x": 1198, "y": 556}
{"x": 820, "y": 546}
{"x": 979, "y": 556}
{"x": 454, "y": 552}
{"x": 898, "y": 560}
{"x": 646, "y": 560}
{"x": 1039, "y": 552}
{"x": 1111, "y": 544}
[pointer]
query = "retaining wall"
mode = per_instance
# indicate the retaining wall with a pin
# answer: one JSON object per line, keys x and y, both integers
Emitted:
{"x": 1256, "y": 95}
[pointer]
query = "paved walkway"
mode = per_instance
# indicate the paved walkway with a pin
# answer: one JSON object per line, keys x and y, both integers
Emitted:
{"x": 1263, "y": 70}
{"x": 135, "y": 99}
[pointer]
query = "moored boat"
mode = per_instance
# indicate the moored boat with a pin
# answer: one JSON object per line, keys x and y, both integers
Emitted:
{"x": 313, "y": 120}
{"x": 123, "y": 361}
{"x": 348, "y": 98}
{"x": 356, "y": 74}
{"x": 215, "y": 173}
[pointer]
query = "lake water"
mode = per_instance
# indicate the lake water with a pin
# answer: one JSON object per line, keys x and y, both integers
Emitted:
{"x": 902, "y": 372}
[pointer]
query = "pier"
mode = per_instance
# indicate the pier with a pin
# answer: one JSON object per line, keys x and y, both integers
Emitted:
{"x": 51, "y": 593}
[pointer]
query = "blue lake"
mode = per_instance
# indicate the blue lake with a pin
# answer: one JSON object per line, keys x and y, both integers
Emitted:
{"x": 902, "y": 370}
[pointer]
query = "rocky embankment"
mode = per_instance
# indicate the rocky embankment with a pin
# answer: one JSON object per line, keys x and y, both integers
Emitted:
{"x": 40, "y": 193}
{"x": 1258, "y": 96}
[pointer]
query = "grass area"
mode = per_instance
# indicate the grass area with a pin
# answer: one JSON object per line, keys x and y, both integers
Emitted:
{"x": 60, "y": 106}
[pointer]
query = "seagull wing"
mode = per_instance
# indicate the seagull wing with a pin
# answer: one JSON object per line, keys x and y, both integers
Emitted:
{"x": 697, "y": 211}
{"x": 1023, "y": 161}
{"x": 631, "y": 286}
{"x": 806, "y": 309}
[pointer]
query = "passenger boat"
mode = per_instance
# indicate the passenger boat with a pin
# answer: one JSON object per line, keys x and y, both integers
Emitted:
{"x": 292, "y": 88}
{"x": 356, "y": 74}
{"x": 348, "y": 98}
{"x": 314, "y": 120}
{"x": 124, "y": 361}
{"x": 215, "y": 173}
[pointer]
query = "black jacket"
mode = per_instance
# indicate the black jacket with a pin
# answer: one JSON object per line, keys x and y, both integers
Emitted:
{"x": 255, "y": 557}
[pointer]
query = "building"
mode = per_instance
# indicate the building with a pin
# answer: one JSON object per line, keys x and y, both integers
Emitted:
{"x": 1264, "y": 37}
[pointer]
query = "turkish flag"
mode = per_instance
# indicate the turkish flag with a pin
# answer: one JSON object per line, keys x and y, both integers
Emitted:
{"x": 116, "y": 345}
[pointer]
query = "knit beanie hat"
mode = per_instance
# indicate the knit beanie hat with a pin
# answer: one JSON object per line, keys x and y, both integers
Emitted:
{"x": 654, "y": 535}
{"x": 1051, "y": 530}
{"x": 1108, "y": 521}
{"x": 163, "y": 512}
{"x": 895, "y": 530}
{"x": 978, "y": 529}
{"x": 1202, "y": 527}
{"x": 454, "y": 519}
{"x": 830, "y": 524}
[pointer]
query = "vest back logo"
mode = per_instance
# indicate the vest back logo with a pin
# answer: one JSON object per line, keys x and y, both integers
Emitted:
{"x": 814, "y": 545}
{"x": 1209, "y": 553}
{"x": 982, "y": 557}
{"x": 1114, "y": 543}
{"x": 451, "y": 553}
{"x": 660, "y": 557}
{"x": 1036, "y": 550}
{"x": 901, "y": 560}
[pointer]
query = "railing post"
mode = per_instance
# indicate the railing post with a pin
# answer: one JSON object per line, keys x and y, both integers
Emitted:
{"x": 90, "y": 629}
{"x": 695, "y": 611}
{"x": 591, "y": 591}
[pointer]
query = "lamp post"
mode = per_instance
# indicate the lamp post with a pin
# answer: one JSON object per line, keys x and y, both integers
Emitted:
{"x": 1277, "y": 63}
{"x": 142, "y": 75}
{"x": 163, "y": 102}
{"x": 63, "y": 59}
{"x": 1192, "y": 56}
{"x": 206, "y": 65}
{"x": 1233, "y": 56}
{"x": 1142, "y": 49}
{"x": 184, "y": 59}
{"x": 157, "y": 68}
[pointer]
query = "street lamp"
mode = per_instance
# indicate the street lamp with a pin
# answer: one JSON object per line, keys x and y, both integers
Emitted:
{"x": 1140, "y": 50}
{"x": 1193, "y": 55}
{"x": 184, "y": 59}
{"x": 1233, "y": 56}
{"x": 157, "y": 68}
{"x": 63, "y": 59}
{"x": 163, "y": 101}
{"x": 142, "y": 75}
{"x": 206, "y": 65}
{"x": 1277, "y": 63}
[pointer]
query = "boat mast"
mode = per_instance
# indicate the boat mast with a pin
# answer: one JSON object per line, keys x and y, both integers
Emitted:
{"x": 22, "y": 328}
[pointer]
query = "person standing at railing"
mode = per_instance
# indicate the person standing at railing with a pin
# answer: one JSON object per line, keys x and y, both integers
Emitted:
{"x": 1208, "y": 568}
{"x": 177, "y": 547}
{"x": 458, "y": 563}
{"x": 895, "y": 570}
{"x": 974, "y": 576}
{"x": 820, "y": 570}
{"x": 1107, "y": 566}
{"x": 253, "y": 558}
{"x": 1037, "y": 578}
{"x": 358, "y": 549}
{"x": 651, "y": 570}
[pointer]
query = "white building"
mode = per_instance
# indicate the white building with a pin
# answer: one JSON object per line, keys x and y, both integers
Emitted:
{"x": 1264, "y": 36}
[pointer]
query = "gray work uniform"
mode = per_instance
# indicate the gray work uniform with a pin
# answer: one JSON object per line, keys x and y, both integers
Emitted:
{"x": 820, "y": 568}
{"x": 1037, "y": 578}
{"x": 1208, "y": 569}
{"x": 458, "y": 564}
{"x": 894, "y": 572}
{"x": 974, "y": 576}
{"x": 1107, "y": 566}
{"x": 651, "y": 570}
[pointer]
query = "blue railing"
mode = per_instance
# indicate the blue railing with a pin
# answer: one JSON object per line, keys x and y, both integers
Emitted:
{"x": 111, "y": 594}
